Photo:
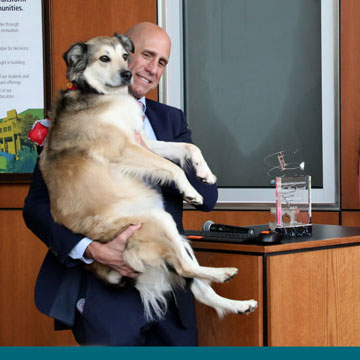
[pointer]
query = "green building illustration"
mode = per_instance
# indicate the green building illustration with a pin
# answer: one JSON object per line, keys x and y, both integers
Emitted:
{"x": 10, "y": 131}
{"x": 17, "y": 153}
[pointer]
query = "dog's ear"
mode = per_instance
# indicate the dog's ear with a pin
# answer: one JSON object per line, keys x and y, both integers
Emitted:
{"x": 125, "y": 42}
{"x": 76, "y": 59}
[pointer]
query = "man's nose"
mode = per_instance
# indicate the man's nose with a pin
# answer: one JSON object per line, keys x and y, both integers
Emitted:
{"x": 151, "y": 67}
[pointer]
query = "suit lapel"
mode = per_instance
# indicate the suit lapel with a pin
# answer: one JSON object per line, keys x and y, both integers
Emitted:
{"x": 162, "y": 131}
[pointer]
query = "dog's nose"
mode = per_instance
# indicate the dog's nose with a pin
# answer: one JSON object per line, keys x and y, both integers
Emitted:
{"x": 126, "y": 74}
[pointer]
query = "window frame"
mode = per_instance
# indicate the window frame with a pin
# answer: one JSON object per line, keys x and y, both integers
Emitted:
{"x": 171, "y": 92}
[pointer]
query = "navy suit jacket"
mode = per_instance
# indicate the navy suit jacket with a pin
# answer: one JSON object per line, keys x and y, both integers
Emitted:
{"x": 59, "y": 280}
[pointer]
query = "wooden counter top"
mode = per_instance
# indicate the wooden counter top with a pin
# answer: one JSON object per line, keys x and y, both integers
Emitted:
{"x": 322, "y": 236}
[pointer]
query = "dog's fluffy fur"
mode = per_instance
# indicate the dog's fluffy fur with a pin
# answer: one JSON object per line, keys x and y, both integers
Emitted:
{"x": 94, "y": 170}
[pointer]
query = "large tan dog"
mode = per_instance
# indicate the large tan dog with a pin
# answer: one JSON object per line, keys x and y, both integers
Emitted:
{"x": 94, "y": 170}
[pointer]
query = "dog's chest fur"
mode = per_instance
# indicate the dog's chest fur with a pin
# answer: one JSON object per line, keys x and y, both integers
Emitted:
{"x": 92, "y": 123}
{"x": 77, "y": 112}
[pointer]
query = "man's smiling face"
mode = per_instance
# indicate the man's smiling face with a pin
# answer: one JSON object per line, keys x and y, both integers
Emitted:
{"x": 152, "y": 51}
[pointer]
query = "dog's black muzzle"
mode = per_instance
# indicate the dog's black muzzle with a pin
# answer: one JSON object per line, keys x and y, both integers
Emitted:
{"x": 126, "y": 75}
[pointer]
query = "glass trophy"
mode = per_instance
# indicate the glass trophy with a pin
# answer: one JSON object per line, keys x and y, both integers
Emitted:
{"x": 293, "y": 206}
{"x": 292, "y": 213}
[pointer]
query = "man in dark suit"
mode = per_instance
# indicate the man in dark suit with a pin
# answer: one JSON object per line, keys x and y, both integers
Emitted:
{"x": 97, "y": 313}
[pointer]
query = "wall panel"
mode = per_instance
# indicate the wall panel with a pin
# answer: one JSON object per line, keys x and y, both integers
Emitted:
{"x": 80, "y": 20}
{"x": 13, "y": 195}
{"x": 350, "y": 218}
{"x": 350, "y": 98}
{"x": 21, "y": 256}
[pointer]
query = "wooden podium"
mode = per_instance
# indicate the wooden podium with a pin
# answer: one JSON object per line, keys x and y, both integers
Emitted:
{"x": 308, "y": 290}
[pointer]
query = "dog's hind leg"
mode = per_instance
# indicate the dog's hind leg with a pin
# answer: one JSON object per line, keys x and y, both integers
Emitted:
{"x": 159, "y": 237}
{"x": 183, "y": 152}
{"x": 186, "y": 265}
{"x": 204, "y": 293}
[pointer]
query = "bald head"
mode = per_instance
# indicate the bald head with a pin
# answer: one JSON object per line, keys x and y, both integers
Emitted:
{"x": 152, "y": 52}
{"x": 147, "y": 29}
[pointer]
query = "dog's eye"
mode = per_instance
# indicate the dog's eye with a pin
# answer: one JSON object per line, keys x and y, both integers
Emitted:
{"x": 104, "y": 58}
{"x": 126, "y": 57}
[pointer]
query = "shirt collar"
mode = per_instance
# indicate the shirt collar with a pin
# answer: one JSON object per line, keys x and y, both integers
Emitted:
{"x": 143, "y": 101}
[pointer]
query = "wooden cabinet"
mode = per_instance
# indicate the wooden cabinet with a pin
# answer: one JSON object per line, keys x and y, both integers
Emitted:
{"x": 307, "y": 291}
{"x": 233, "y": 329}
{"x": 313, "y": 297}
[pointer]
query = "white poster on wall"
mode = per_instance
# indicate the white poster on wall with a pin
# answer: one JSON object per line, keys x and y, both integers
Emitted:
{"x": 21, "y": 82}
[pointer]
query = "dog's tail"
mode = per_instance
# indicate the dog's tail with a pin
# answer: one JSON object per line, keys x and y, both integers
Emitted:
{"x": 156, "y": 287}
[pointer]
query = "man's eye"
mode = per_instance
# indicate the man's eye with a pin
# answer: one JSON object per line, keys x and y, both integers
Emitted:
{"x": 104, "y": 58}
{"x": 146, "y": 55}
{"x": 125, "y": 57}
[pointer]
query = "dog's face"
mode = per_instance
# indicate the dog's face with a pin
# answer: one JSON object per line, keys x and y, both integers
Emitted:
{"x": 100, "y": 64}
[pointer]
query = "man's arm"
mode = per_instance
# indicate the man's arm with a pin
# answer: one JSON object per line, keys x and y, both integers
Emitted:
{"x": 183, "y": 134}
{"x": 38, "y": 219}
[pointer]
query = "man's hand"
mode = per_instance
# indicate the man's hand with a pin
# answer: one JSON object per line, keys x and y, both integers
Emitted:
{"x": 111, "y": 253}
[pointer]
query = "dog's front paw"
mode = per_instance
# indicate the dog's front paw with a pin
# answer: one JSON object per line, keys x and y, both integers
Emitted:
{"x": 194, "y": 201}
{"x": 193, "y": 197}
{"x": 204, "y": 173}
{"x": 209, "y": 178}
{"x": 246, "y": 307}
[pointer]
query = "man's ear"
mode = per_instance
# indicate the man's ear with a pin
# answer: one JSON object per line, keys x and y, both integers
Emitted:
{"x": 76, "y": 59}
{"x": 125, "y": 42}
